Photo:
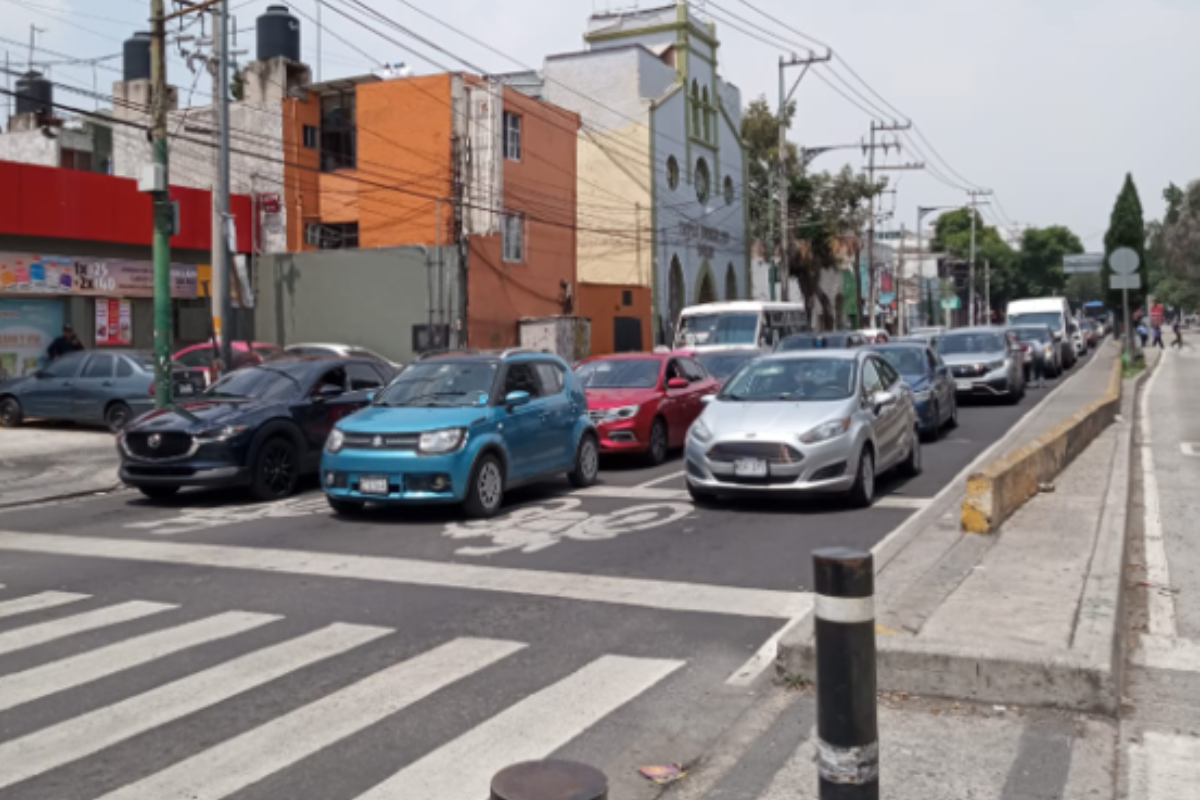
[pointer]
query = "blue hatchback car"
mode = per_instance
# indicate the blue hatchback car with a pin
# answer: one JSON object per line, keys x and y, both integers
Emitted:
{"x": 463, "y": 428}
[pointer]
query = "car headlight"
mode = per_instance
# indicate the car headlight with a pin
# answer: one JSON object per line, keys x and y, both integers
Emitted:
{"x": 444, "y": 441}
{"x": 700, "y": 431}
{"x": 221, "y": 434}
{"x": 335, "y": 441}
{"x": 830, "y": 430}
{"x": 624, "y": 412}
{"x": 999, "y": 363}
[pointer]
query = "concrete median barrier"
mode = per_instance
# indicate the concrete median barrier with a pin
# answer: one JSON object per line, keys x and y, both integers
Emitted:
{"x": 1002, "y": 486}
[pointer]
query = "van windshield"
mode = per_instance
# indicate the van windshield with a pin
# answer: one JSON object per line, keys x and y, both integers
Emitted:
{"x": 717, "y": 328}
{"x": 1052, "y": 319}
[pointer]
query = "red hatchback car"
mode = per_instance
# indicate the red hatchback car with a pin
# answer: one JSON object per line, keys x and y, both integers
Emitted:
{"x": 644, "y": 402}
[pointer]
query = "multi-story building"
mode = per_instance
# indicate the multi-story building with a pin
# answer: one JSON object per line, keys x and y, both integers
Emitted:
{"x": 662, "y": 172}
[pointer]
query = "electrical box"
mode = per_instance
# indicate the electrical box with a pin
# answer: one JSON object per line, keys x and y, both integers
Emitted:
{"x": 153, "y": 178}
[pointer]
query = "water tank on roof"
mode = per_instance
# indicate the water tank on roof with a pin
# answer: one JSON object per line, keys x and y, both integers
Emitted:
{"x": 35, "y": 94}
{"x": 278, "y": 34}
{"x": 137, "y": 57}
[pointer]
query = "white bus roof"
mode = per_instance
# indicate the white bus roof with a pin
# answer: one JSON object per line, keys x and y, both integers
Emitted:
{"x": 1032, "y": 303}
{"x": 741, "y": 305}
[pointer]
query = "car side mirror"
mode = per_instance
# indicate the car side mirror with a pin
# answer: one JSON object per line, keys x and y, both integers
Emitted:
{"x": 514, "y": 399}
{"x": 677, "y": 383}
{"x": 882, "y": 400}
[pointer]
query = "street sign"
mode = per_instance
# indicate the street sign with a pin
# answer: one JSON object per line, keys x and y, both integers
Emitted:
{"x": 1124, "y": 261}
{"x": 1088, "y": 262}
{"x": 1125, "y": 281}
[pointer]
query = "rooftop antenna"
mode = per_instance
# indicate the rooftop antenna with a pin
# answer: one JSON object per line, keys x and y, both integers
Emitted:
{"x": 33, "y": 32}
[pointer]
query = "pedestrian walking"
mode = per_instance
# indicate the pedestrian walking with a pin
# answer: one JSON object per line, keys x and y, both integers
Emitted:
{"x": 1037, "y": 366}
{"x": 68, "y": 342}
{"x": 1142, "y": 333}
{"x": 1158, "y": 337}
{"x": 1178, "y": 330}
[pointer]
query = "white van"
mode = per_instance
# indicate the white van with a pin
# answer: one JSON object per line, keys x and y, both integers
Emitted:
{"x": 742, "y": 323}
{"x": 1052, "y": 311}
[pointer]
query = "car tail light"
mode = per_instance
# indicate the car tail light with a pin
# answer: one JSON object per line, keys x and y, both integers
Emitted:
{"x": 152, "y": 388}
{"x": 1024, "y": 348}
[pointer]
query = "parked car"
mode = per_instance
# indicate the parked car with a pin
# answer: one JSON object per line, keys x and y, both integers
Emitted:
{"x": 262, "y": 427}
{"x": 929, "y": 378}
{"x": 1092, "y": 331}
{"x": 342, "y": 350}
{"x": 825, "y": 421}
{"x": 722, "y": 363}
{"x": 644, "y": 403}
{"x": 244, "y": 354}
{"x": 1054, "y": 312}
{"x": 1037, "y": 344}
{"x": 463, "y": 428}
{"x": 830, "y": 340}
{"x": 98, "y": 387}
{"x": 983, "y": 362}
{"x": 876, "y": 335}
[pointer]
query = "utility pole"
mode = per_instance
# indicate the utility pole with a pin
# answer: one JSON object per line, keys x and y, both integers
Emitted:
{"x": 975, "y": 195}
{"x": 879, "y": 127}
{"x": 922, "y": 212}
{"x": 161, "y": 204}
{"x": 900, "y": 310}
{"x": 987, "y": 290}
{"x": 222, "y": 299}
{"x": 772, "y": 268}
{"x": 785, "y": 230}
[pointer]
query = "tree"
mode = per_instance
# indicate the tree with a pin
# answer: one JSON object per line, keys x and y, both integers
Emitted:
{"x": 1126, "y": 228}
{"x": 993, "y": 256}
{"x": 1173, "y": 249}
{"x": 1040, "y": 264}
{"x": 237, "y": 85}
{"x": 760, "y": 132}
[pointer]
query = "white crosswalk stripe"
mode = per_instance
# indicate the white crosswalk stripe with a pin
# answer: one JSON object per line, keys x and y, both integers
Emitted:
{"x": 33, "y": 635}
{"x": 37, "y": 602}
{"x": 84, "y": 735}
{"x": 532, "y": 729}
{"x": 33, "y": 684}
{"x": 237, "y": 763}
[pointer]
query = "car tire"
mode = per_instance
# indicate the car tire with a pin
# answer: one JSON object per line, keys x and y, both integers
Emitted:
{"x": 345, "y": 508}
{"x": 587, "y": 463}
{"x": 952, "y": 422}
{"x": 912, "y": 466}
{"x": 657, "y": 451}
{"x": 276, "y": 470}
{"x": 701, "y": 498}
{"x": 117, "y": 416}
{"x": 159, "y": 492}
{"x": 485, "y": 493}
{"x": 935, "y": 430}
{"x": 862, "y": 493}
{"x": 11, "y": 415}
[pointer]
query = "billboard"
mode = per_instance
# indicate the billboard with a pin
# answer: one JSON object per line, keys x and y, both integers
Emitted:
{"x": 27, "y": 327}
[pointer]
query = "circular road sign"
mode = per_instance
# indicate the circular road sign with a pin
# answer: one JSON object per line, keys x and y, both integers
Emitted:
{"x": 1124, "y": 261}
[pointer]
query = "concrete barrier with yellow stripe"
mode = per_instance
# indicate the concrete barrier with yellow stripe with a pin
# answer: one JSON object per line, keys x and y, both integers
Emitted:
{"x": 1002, "y": 486}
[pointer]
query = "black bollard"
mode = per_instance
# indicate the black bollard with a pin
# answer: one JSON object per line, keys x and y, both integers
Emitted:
{"x": 549, "y": 780}
{"x": 847, "y": 722}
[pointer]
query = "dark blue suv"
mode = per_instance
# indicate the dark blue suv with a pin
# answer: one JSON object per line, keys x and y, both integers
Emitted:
{"x": 463, "y": 427}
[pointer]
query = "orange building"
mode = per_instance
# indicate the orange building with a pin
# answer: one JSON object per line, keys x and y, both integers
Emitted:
{"x": 442, "y": 160}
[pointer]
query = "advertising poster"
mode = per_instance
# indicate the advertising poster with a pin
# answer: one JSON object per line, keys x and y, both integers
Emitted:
{"x": 41, "y": 274}
{"x": 27, "y": 327}
{"x": 113, "y": 322}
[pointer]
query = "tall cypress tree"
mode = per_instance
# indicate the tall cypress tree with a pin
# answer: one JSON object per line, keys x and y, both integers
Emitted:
{"x": 1126, "y": 228}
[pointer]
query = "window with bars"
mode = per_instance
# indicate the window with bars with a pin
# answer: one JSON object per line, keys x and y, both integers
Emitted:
{"x": 341, "y": 236}
{"x": 339, "y": 142}
{"x": 512, "y": 230}
{"x": 512, "y": 136}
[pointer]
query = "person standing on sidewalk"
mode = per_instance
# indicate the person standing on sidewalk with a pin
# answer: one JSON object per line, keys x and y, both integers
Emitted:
{"x": 1142, "y": 333}
{"x": 1037, "y": 365}
{"x": 67, "y": 343}
{"x": 1158, "y": 337}
{"x": 1178, "y": 331}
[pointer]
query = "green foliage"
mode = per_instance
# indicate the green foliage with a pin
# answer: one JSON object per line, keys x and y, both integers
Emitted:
{"x": 237, "y": 85}
{"x": 1041, "y": 260}
{"x": 1126, "y": 228}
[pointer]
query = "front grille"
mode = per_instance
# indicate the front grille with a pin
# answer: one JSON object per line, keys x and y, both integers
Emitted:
{"x": 151, "y": 446}
{"x": 770, "y": 480}
{"x": 381, "y": 441}
{"x": 161, "y": 472}
{"x": 773, "y": 452}
{"x": 968, "y": 370}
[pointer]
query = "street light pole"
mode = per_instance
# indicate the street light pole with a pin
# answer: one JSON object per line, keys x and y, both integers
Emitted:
{"x": 161, "y": 204}
{"x": 975, "y": 194}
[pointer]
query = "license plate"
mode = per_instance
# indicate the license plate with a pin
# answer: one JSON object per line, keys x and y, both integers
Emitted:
{"x": 373, "y": 485}
{"x": 750, "y": 468}
{"x": 185, "y": 388}
{"x": 963, "y": 386}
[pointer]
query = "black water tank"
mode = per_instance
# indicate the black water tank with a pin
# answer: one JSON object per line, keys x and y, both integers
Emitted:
{"x": 35, "y": 94}
{"x": 278, "y": 34}
{"x": 137, "y": 57}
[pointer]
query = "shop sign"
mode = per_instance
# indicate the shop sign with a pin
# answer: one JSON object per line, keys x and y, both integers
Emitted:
{"x": 114, "y": 322}
{"x": 27, "y": 273}
{"x": 27, "y": 327}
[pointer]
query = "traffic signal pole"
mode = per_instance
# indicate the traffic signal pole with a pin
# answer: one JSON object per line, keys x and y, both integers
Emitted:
{"x": 163, "y": 216}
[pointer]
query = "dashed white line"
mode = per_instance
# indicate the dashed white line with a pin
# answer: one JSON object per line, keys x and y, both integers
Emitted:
{"x": 1160, "y": 606}
{"x": 662, "y": 479}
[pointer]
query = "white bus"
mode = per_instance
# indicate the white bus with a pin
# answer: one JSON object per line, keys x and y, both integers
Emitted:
{"x": 739, "y": 323}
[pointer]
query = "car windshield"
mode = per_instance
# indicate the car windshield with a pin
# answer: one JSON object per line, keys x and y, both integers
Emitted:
{"x": 259, "y": 383}
{"x": 619, "y": 373}
{"x": 792, "y": 379}
{"x": 722, "y": 365}
{"x": 712, "y": 329}
{"x": 1051, "y": 319}
{"x": 441, "y": 383}
{"x": 960, "y": 343}
{"x": 798, "y": 343}
{"x": 906, "y": 360}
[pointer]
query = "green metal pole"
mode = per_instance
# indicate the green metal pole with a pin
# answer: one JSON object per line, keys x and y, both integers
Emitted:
{"x": 162, "y": 210}
{"x": 772, "y": 270}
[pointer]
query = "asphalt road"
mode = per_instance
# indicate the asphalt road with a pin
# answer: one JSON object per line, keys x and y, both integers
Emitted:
{"x": 213, "y": 648}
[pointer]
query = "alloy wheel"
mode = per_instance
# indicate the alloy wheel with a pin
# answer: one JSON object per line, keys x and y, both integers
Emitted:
{"x": 589, "y": 459}
{"x": 868, "y": 468}
{"x": 490, "y": 485}
{"x": 278, "y": 468}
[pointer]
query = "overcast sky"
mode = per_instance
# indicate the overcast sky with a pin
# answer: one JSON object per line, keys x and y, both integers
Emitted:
{"x": 1047, "y": 102}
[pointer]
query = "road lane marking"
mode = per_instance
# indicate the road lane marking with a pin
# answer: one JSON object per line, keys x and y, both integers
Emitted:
{"x": 246, "y": 759}
{"x": 663, "y": 479}
{"x": 1164, "y": 766}
{"x": 37, "y": 602}
{"x": 90, "y": 733}
{"x": 747, "y": 673}
{"x": 191, "y": 520}
{"x": 532, "y": 729}
{"x": 1160, "y": 606}
{"x": 904, "y": 503}
{"x": 631, "y": 493}
{"x": 33, "y": 635}
{"x": 1162, "y": 652}
{"x": 662, "y": 595}
{"x": 58, "y": 676}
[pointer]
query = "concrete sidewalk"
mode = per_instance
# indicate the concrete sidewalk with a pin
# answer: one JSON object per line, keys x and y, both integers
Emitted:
{"x": 1029, "y": 615}
{"x": 44, "y": 461}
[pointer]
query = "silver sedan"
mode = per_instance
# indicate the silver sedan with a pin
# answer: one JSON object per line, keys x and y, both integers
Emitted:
{"x": 807, "y": 422}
